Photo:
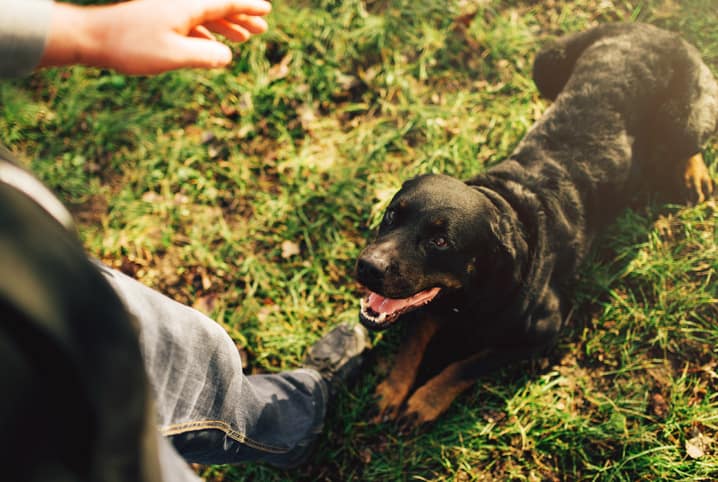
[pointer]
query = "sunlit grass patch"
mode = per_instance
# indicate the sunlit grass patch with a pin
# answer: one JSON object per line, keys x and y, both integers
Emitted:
{"x": 249, "y": 192}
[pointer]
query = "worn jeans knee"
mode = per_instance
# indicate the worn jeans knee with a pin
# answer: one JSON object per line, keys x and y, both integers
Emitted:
{"x": 211, "y": 411}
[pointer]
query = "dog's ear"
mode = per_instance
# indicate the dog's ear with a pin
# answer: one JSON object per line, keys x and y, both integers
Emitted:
{"x": 504, "y": 233}
{"x": 508, "y": 240}
{"x": 496, "y": 271}
{"x": 510, "y": 251}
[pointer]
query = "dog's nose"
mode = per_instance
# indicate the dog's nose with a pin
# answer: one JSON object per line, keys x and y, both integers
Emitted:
{"x": 371, "y": 270}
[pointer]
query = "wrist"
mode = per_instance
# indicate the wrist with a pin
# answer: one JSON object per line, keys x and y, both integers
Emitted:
{"x": 74, "y": 36}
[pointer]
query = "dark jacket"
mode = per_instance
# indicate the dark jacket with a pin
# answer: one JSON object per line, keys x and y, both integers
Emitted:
{"x": 75, "y": 402}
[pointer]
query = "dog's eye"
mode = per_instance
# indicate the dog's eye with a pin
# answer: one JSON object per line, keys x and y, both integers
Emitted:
{"x": 389, "y": 217}
{"x": 439, "y": 242}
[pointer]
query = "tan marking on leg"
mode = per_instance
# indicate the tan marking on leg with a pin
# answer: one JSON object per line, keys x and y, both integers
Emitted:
{"x": 696, "y": 179}
{"x": 392, "y": 392}
{"x": 435, "y": 397}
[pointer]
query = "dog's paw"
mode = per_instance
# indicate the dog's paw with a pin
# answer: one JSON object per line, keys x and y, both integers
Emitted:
{"x": 419, "y": 411}
{"x": 408, "y": 423}
{"x": 697, "y": 181}
{"x": 388, "y": 401}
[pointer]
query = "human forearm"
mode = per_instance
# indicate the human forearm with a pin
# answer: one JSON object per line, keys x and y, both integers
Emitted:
{"x": 71, "y": 36}
{"x": 150, "y": 36}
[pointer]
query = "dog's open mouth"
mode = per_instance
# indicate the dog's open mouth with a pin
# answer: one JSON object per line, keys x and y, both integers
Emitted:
{"x": 378, "y": 312}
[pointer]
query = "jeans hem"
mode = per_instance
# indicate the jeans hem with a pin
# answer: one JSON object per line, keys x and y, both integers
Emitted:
{"x": 197, "y": 425}
{"x": 239, "y": 437}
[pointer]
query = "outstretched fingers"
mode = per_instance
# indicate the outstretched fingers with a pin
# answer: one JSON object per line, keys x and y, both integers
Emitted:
{"x": 232, "y": 31}
{"x": 211, "y": 10}
{"x": 236, "y": 20}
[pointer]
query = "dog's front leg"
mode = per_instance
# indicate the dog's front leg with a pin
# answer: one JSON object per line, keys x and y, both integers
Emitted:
{"x": 392, "y": 392}
{"x": 434, "y": 398}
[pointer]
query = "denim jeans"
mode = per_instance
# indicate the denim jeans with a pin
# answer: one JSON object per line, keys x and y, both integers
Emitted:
{"x": 205, "y": 409}
{"x": 210, "y": 411}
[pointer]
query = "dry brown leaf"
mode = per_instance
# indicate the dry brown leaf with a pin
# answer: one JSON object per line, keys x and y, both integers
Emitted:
{"x": 306, "y": 116}
{"x": 280, "y": 70}
{"x": 151, "y": 197}
{"x": 697, "y": 446}
{"x": 659, "y": 406}
{"x": 205, "y": 304}
{"x": 289, "y": 249}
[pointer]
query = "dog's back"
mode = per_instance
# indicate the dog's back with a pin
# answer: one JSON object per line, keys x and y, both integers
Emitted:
{"x": 642, "y": 64}
{"x": 485, "y": 263}
{"x": 632, "y": 86}
{"x": 632, "y": 104}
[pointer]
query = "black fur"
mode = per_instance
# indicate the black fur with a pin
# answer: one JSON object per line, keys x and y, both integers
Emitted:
{"x": 631, "y": 102}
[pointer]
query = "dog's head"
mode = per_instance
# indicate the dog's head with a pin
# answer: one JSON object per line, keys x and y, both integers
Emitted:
{"x": 438, "y": 236}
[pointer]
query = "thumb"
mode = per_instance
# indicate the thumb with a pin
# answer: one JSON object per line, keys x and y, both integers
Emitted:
{"x": 200, "y": 53}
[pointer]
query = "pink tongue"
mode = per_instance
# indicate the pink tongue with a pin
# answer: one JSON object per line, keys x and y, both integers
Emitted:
{"x": 381, "y": 304}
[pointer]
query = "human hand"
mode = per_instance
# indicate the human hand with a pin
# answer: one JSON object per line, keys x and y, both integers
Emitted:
{"x": 151, "y": 36}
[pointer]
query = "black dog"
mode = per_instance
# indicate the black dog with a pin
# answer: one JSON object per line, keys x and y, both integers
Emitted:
{"x": 488, "y": 260}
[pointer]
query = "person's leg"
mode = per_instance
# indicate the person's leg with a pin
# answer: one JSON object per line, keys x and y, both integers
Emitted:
{"x": 75, "y": 401}
{"x": 211, "y": 411}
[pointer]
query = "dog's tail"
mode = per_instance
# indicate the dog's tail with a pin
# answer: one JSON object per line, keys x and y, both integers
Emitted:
{"x": 554, "y": 63}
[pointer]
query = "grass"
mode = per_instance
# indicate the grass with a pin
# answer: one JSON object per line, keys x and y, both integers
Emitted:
{"x": 248, "y": 193}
